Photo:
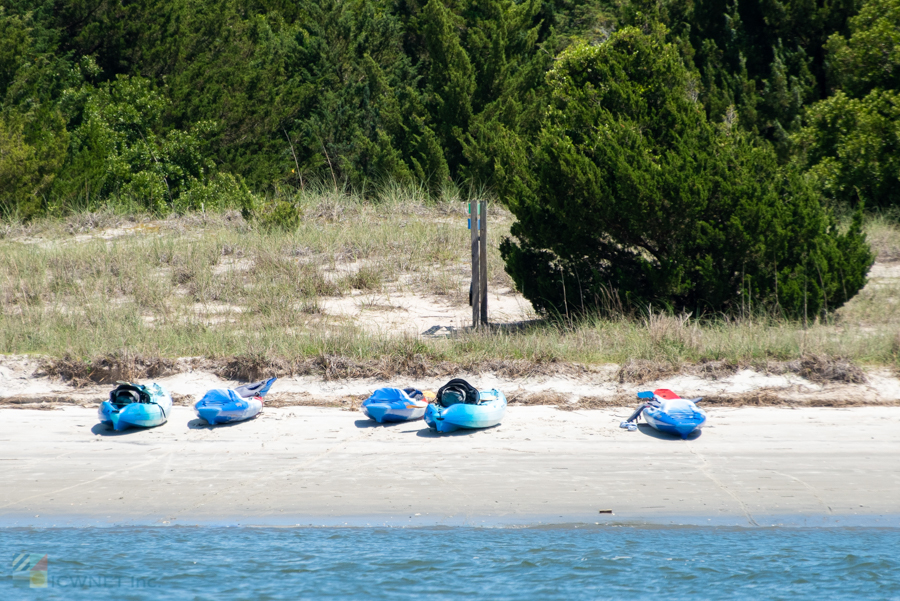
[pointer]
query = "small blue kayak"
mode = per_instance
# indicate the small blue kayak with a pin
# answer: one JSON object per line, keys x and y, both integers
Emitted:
{"x": 395, "y": 405}
{"x": 136, "y": 405}
{"x": 225, "y": 405}
{"x": 487, "y": 412}
{"x": 667, "y": 412}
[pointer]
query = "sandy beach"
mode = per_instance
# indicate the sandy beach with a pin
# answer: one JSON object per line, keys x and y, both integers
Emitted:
{"x": 317, "y": 466}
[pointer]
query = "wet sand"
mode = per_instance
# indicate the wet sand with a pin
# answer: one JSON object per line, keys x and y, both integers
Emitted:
{"x": 307, "y": 465}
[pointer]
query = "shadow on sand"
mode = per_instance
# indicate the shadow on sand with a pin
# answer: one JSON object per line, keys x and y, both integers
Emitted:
{"x": 507, "y": 328}
{"x": 102, "y": 429}
{"x": 652, "y": 432}
{"x": 371, "y": 423}
{"x": 429, "y": 433}
{"x": 201, "y": 424}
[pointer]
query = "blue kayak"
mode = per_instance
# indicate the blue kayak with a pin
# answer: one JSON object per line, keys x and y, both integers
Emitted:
{"x": 489, "y": 410}
{"x": 394, "y": 405}
{"x": 669, "y": 413}
{"x": 225, "y": 405}
{"x": 136, "y": 405}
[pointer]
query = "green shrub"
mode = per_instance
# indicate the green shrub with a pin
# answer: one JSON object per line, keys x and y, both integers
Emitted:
{"x": 221, "y": 190}
{"x": 851, "y": 141}
{"x": 870, "y": 57}
{"x": 619, "y": 184}
{"x": 32, "y": 148}
{"x": 852, "y": 147}
{"x": 119, "y": 147}
{"x": 280, "y": 214}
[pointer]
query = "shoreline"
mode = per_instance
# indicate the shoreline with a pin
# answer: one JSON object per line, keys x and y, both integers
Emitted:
{"x": 320, "y": 466}
{"x": 763, "y": 522}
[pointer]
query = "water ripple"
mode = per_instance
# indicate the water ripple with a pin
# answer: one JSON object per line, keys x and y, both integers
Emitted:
{"x": 443, "y": 563}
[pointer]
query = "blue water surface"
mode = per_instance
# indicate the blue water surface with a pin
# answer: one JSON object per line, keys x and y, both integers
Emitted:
{"x": 590, "y": 562}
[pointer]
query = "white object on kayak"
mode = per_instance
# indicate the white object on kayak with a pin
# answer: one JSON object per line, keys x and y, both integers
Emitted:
{"x": 395, "y": 405}
{"x": 667, "y": 412}
{"x": 223, "y": 405}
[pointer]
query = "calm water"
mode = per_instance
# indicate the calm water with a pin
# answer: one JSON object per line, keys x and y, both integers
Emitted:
{"x": 603, "y": 562}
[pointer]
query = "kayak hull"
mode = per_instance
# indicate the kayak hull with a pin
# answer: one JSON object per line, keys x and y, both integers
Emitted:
{"x": 387, "y": 412}
{"x": 140, "y": 415}
{"x": 392, "y": 405}
{"x": 488, "y": 412}
{"x": 223, "y": 406}
{"x": 679, "y": 423}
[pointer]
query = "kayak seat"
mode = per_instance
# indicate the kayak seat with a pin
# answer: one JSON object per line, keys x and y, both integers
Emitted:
{"x": 677, "y": 406}
{"x": 126, "y": 394}
{"x": 456, "y": 391}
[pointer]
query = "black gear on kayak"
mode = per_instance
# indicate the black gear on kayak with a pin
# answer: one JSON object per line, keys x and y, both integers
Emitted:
{"x": 456, "y": 391}
{"x": 127, "y": 393}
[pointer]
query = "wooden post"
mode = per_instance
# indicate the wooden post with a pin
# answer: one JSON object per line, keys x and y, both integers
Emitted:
{"x": 483, "y": 277}
{"x": 476, "y": 265}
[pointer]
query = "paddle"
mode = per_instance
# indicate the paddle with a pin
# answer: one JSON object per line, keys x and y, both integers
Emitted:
{"x": 257, "y": 389}
{"x": 629, "y": 423}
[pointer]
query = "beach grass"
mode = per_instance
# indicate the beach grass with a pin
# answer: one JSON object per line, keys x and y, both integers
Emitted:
{"x": 214, "y": 285}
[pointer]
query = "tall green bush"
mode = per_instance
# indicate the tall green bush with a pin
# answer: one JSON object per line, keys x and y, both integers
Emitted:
{"x": 32, "y": 148}
{"x": 119, "y": 148}
{"x": 869, "y": 57}
{"x": 850, "y": 141}
{"x": 852, "y": 147}
{"x": 620, "y": 185}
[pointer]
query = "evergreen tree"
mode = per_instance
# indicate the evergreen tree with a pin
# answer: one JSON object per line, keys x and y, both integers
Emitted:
{"x": 450, "y": 79}
{"x": 276, "y": 92}
{"x": 623, "y": 185}
{"x": 761, "y": 60}
{"x": 33, "y": 136}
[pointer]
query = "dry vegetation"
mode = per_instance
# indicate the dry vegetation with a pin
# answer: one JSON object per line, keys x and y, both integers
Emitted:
{"x": 138, "y": 292}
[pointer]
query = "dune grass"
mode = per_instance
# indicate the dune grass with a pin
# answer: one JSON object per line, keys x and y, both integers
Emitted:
{"x": 215, "y": 286}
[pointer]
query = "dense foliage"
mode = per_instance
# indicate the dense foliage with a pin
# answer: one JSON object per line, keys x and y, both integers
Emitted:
{"x": 621, "y": 186}
{"x": 851, "y": 140}
{"x": 188, "y": 104}
{"x": 153, "y": 100}
{"x": 275, "y": 93}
